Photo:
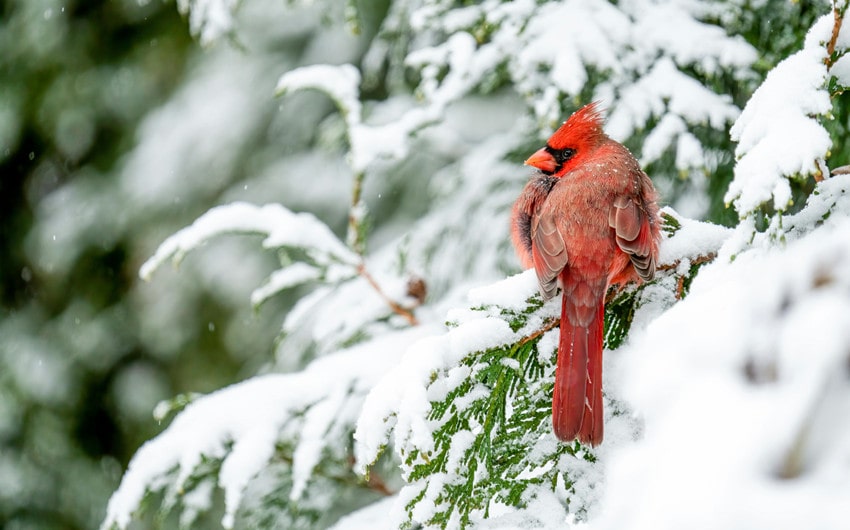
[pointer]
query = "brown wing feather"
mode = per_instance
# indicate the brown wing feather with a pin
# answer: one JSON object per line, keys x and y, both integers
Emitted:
{"x": 633, "y": 235}
{"x": 548, "y": 252}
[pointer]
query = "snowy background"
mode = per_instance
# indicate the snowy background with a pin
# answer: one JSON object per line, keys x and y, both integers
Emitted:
{"x": 333, "y": 182}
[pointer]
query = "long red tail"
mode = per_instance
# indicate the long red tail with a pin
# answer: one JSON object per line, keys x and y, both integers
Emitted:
{"x": 577, "y": 399}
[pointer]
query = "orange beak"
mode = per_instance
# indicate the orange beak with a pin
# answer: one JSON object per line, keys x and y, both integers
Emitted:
{"x": 542, "y": 160}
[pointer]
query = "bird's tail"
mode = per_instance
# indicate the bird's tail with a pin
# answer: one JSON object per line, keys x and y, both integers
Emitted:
{"x": 577, "y": 399}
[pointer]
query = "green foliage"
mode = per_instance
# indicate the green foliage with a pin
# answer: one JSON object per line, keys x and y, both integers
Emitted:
{"x": 488, "y": 427}
{"x": 491, "y": 411}
{"x": 619, "y": 312}
{"x": 76, "y": 79}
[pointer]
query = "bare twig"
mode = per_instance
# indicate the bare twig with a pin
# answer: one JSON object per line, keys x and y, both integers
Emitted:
{"x": 838, "y": 19}
{"x": 667, "y": 267}
{"x": 699, "y": 260}
{"x": 398, "y": 309}
{"x": 546, "y": 327}
{"x": 680, "y": 282}
{"x": 377, "y": 484}
{"x": 680, "y": 287}
{"x": 356, "y": 241}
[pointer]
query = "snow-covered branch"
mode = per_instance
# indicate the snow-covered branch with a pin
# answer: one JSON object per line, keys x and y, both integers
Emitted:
{"x": 780, "y": 135}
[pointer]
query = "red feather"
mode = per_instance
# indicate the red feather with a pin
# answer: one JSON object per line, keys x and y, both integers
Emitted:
{"x": 587, "y": 221}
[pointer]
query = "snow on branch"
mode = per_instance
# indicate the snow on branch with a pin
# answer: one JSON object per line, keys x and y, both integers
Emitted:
{"x": 568, "y": 37}
{"x": 327, "y": 260}
{"x": 280, "y": 226}
{"x": 830, "y": 196}
{"x": 285, "y": 278}
{"x": 745, "y": 384}
{"x": 448, "y": 405}
{"x": 367, "y": 143}
{"x": 667, "y": 92}
{"x": 340, "y": 82}
{"x": 780, "y": 136}
{"x": 463, "y": 411}
{"x": 638, "y": 57}
{"x": 673, "y": 28}
{"x": 239, "y": 430}
{"x": 209, "y": 20}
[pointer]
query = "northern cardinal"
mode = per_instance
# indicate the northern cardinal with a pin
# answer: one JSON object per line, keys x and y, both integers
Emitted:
{"x": 586, "y": 221}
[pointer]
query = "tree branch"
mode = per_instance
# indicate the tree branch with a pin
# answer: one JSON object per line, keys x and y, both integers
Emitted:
{"x": 398, "y": 309}
{"x": 374, "y": 482}
{"x": 553, "y": 323}
{"x": 356, "y": 213}
{"x": 699, "y": 260}
{"x": 838, "y": 19}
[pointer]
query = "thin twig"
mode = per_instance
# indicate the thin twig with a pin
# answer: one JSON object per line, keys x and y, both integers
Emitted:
{"x": 699, "y": 260}
{"x": 356, "y": 241}
{"x": 546, "y": 327}
{"x": 376, "y": 483}
{"x": 836, "y": 29}
{"x": 670, "y": 266}
{"x": 680, "y": 287}
{"x": 404, "y": 312}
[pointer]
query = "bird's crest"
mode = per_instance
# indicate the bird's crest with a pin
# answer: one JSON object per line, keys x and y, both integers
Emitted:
{"x": 583, "y": 127}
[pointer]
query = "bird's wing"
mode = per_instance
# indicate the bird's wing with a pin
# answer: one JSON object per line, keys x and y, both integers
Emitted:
{"x": 633, "y": 234}
{"x": 548, "y": 252}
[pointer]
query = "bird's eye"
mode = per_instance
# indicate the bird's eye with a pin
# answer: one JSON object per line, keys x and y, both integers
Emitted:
{"x": 560, "y": 155}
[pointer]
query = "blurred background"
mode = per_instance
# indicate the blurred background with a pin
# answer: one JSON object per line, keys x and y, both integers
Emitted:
{"x": 117, "y": 129}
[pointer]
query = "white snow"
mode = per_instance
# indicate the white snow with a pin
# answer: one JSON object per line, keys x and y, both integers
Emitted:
{"x": 285, "y": 278}
{"x": 400, "y": 400}
{"x": 663, "y": 89}
{"x": 367, "y": 143}
{"x": 209, "y": 19}
{"x": 250, "y": 416}
{"x": 738, "y": 385}
{"x": 671, "y": 28}
{"x": 569, "y": 35}
{"x": 693, "y": 238}
{"x": 280, "y": 226}
{"x": 191, "y": 145}
{"x": 841, "y": 70}
{"x": 372, "y": 517}
{"x": 778, "y": 134}
{"x": 510, "y": 293}
{"x": 340, "y": 82}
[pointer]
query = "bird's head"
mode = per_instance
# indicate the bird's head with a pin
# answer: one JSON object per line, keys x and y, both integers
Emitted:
{"x": 571, "y": 143}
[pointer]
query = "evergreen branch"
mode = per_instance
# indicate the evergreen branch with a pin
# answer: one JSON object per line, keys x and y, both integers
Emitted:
{"x": 684, "y": 279}
{"x": 681, "y": 284}
{"x": 356, "y": 237}
{"x": 373, "y": 482}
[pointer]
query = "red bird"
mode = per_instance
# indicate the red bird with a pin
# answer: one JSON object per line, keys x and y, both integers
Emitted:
{"x": 586, "y": 221}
